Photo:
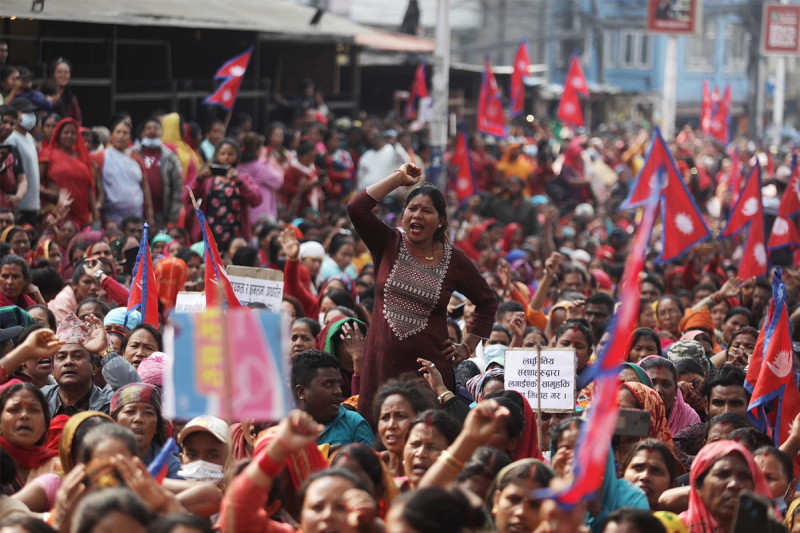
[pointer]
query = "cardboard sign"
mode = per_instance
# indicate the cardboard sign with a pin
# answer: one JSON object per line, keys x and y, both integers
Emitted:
{"x": 546, "y": 377}
{"x": 190, "y": 302}
{"x": 781, "y": 29}
{"x": 229, "y": 364}
{"x": 262, "y": 285}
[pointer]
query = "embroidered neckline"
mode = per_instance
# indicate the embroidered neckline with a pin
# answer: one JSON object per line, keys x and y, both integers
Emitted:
{"x": 412, "y": 291}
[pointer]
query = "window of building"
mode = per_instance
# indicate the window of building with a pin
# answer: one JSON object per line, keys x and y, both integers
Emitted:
{"x": 737, "y": 46}
{"x": 635, "y": 50}
{"x": 700, "y": 48}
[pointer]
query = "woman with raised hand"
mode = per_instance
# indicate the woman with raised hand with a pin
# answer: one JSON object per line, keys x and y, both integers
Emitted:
{"x": 416, "y": 271}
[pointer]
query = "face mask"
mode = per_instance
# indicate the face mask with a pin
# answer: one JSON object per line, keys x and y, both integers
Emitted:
{"x": 321, "y": 318}
{"x": 202, "y": 471}
{"x": 780, "y": 503}
{"x": 151, "y": 143}
{"x": 28, "y": 121}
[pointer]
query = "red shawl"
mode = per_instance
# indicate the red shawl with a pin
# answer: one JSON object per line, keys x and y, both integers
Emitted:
{"x": 28, "y": 456}
{"x": 528, "y": 447}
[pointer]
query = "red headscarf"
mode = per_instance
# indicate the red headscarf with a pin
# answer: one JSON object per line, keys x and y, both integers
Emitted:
{"x": 171, "y": 277}
{"x": 468, "y": 245}
{"x": 528, "y": 447}
{"x": 79, "y": 147}
{"x": 698, "y": 518}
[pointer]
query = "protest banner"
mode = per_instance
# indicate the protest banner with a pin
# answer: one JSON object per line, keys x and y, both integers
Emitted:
{"x": 262, "y": 285}
{"x": 227, "y": 363}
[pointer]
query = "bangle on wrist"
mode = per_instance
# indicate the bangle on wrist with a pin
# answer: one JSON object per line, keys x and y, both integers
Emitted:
{"x": 442, "y": 396}
{"x": 451, "y": 461}
{"x": 469, "y": 350}
{"x": 105, "y": 352}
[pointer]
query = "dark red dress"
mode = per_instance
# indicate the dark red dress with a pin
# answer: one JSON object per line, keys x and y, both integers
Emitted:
{"x": 409, "y": 319}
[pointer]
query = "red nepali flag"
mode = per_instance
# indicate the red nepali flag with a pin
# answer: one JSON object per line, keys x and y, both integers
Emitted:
{"x": 784, "y": 230}
{"x": 593, "y": 447}
{"x": 683, "y": 225}
{"x": 144, "y": 288}
{"x": 217, "y": 284}
{"x": 522, "y": 63}
{"x": 232, "y": 72}
{"x": 705, "y": 109}
{"x": 748, "y": 213}
{"x": 575, "y": 77}
{"x": 491, "y": 119}
{"x": 569, "y": 108}
{"x": 419, "y": 89}
{"x": 775, "y": 400}
{"x": 463, "y": 175}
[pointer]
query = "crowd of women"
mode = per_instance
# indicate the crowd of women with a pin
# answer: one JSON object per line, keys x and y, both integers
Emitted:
{"x": 402, "y": 304}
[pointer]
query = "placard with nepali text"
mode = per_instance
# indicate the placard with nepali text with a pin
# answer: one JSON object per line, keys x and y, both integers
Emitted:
{"x": 546, "y": 378}
{"x": 262, "y": 285}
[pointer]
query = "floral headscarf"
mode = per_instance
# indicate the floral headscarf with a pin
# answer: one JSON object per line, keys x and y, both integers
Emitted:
{"x": 650, "y": 401}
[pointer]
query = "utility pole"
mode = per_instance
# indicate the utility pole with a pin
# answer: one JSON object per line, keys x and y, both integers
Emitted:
{"x": 441, "y": 93}
{"x": 670, "y": 88}
{"x": 780, "y": 96}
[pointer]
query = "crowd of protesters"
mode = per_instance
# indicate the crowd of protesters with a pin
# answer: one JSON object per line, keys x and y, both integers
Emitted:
{"x": 402, "y": 302}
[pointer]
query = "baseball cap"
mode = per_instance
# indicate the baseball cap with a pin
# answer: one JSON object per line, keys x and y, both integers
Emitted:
{"x": 210, "y": 424}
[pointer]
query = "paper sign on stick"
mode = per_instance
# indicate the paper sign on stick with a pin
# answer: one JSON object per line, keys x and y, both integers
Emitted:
{"x": 546, "y": 377}
{"x": 262, "y": 285}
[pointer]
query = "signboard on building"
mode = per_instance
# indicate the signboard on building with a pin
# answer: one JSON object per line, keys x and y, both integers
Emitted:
{"x": 678, "y": 17}
{"x": 781, "y": 29}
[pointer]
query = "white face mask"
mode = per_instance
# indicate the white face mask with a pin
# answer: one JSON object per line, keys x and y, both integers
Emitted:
{"x": 202, "y": 471}
{"x": 28, "y": 121}
{"x": 151, "y": 143}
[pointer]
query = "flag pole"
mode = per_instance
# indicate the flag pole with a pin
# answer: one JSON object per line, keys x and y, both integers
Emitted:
{"x": 228, "y": 119}
{"x": 194, "y": 200}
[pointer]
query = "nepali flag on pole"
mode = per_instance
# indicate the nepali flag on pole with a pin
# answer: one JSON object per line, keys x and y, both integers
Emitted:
{"x": 419, "y": 89}
{"x": 575, "y": 77}
{"x": 594, "y": 440}
{"x": 522, "y": 63}
{"x": 216, "y": 279}
{"x": 705, "y": 110}
{"x": 720, "y": 116}
{"x": 683, "y": 225}
{"x": 232, "y": 72}
{"x": 463, "y": 175}
{"x": 144, "y": 288}
{"x": 775, "y": 400}
{"x": 748, "y": 213}
{"x": 784, "y": 230}
{"x": 569, "y": 108}
{"x": 491, "y": 119}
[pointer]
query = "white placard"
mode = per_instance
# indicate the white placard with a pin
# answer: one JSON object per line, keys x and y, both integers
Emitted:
{"x": 190, "y": 302}
{"x": 555, "y": 391}
{"x": 261, "y": 285}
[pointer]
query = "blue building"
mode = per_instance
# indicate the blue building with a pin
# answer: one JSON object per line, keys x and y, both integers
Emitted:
{"x": 616, "y": 50}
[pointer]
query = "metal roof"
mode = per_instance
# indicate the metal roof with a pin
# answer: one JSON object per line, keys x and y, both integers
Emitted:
{"x": 271, "y": 18}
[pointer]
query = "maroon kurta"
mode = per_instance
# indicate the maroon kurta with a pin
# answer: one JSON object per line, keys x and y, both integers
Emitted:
{"x": 409, "y": 319}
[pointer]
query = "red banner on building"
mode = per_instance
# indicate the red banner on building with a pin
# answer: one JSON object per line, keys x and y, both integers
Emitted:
{"x": 674, "y": 16}
{"x": 781, "y": 29}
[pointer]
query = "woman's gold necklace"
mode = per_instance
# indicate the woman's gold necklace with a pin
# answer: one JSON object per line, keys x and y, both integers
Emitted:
{"x": 433, "y": 254}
